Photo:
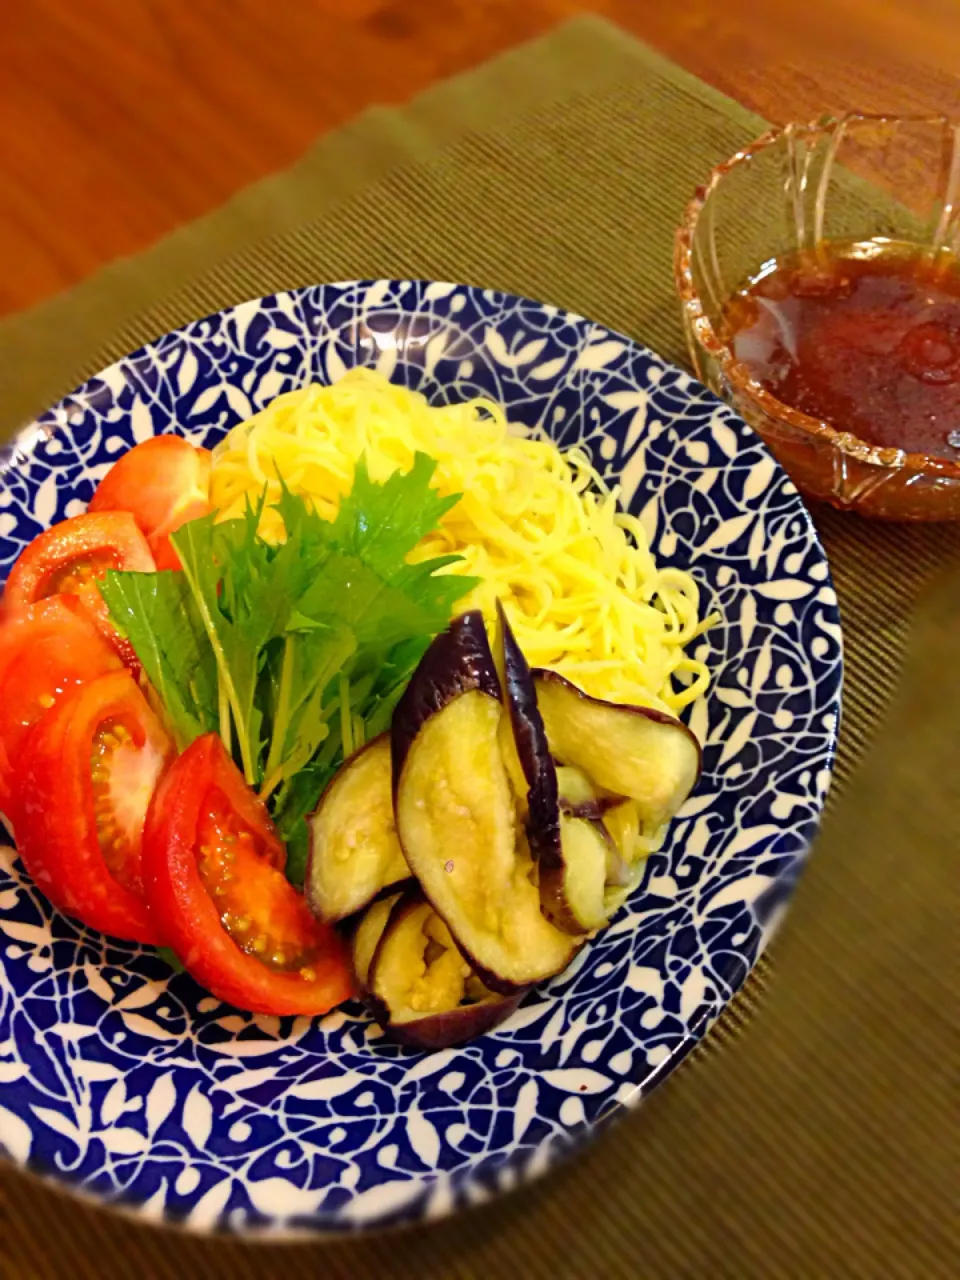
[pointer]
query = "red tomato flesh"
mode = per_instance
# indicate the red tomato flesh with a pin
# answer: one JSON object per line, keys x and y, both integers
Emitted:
{"x": 46, "y": 651}
{"x": 87, "y": 774}
{"x": 163, "y": 483}
{"x": 257, "y": 908}
{"x": 162, "y": 549}
{"x": 213, "y": 870}
{"x": 70, "y": 557}
{"x": 95, "y": 609}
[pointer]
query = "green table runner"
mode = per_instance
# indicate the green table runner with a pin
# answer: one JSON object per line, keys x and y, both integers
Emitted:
{"x": 820, "y": 1143}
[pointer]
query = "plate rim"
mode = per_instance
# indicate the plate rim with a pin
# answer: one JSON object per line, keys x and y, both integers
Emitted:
{"x": 560, "y": 1147}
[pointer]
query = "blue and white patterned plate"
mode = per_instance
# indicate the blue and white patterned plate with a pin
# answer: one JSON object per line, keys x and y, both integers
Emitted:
{"x": 137, "y": 1087}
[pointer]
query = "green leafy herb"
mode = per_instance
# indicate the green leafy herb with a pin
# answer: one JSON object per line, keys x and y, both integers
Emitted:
{"x": 157, "y": 614}
{"x": 381, "y": 524}
{"x": 244, "y": 590}
{"x": 295, "y": 652}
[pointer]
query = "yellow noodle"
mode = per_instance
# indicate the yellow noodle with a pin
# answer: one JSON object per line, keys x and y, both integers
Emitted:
{"x": 538, "y": 526}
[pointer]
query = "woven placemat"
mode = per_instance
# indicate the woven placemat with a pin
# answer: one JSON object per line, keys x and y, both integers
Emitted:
{"x": 821, "y": 1143}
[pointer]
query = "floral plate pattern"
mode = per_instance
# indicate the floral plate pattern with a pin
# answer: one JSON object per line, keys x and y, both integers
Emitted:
{"x": 134, "y": 1086}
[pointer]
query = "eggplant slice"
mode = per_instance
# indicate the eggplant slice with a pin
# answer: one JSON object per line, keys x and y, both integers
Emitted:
{"x": 367, "y": 936}
{"x": 542, "y": 808}
{"x": 636, "y": 752}
{"x": 572, "y": 891}
{"x": 579, "y": 796}
{"x": 520, "y": 699}
{"x": 576, "y": 860}
{"x": 458, "y": 661}
{"x": 566, "y": 893}
{"x": 575, "y": 856}
{"x": 423, "y": 992}
{"x": 623, "y": 823}
{"x": 355, "y": 852}
{"x": 632, "y": 846}
{"x": 456, "y": 814}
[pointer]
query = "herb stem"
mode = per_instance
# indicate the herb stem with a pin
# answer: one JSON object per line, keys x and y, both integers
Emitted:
{"x": 228, "y": 691}
{"x": 346, "y": 722}
{"x": 278, "y": 736}
{"x": 270, "y": 784}
{"x": 226, "y": 732}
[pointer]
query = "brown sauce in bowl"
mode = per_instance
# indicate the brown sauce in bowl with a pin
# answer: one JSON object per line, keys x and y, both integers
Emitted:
{"x": 863, "y": 336}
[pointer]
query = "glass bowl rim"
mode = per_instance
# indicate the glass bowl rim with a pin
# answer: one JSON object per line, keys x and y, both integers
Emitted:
{"x": 702, "y": 331}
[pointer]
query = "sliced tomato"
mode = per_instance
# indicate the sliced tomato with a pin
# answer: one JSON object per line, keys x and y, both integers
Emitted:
{"x": 46, "y": 651}
{"x": 95, "y": 608}
{"x": 69, "y": 558}
{"x": 88, "y": 772}
{"x": 163, "y": 483}
{"x": 213, "y": 869}
{"x": 162, "y": 549}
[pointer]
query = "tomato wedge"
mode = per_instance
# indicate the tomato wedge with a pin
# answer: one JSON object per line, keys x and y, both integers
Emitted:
{"x": 88, "y": 772}
{"x": 46, "y": 651}
{"x": 213, "y": 869}
{"x": 69, "y": 558}
{"x": 163, "y": 483}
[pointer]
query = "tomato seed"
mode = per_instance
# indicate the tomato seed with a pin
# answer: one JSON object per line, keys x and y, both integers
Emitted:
{"x": 81, "y": 572}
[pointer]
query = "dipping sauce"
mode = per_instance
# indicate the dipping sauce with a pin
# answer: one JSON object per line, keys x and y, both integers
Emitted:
{"x": 864, "y": 336}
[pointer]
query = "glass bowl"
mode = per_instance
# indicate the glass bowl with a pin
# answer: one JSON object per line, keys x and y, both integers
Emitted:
{"x": 859, "y": 178}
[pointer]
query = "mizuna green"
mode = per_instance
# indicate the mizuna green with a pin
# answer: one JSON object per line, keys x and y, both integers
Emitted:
{"x": 295, "y": 652}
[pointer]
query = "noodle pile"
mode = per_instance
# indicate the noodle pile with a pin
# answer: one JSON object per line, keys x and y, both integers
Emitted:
{"x": 538, "y": 526}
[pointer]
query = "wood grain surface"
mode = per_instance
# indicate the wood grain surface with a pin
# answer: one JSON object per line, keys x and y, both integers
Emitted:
{"x": 120, "y": 119}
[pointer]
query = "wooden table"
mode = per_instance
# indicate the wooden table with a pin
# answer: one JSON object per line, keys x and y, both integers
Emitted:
{"x": 120, "y": 119}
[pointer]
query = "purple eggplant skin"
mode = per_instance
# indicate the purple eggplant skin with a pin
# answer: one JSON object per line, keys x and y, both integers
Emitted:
{"x": 648, "y": 756}
{"x": 458, "y": 660}
{"x": 437, "y": 1030}
{"x": 530, "y": 736}
{"x": 521, "y": 702}
{"x": 592, "y": 808}
{"x": 446, "y": 1030}
{"x": 593, "y": 812}
{"x": 459, "y": 665}
{"x": 554, "y": 902}
{"x": 312, "y": 875}
{"x": 491, "y": 979}
{"x": 651, "y": 713}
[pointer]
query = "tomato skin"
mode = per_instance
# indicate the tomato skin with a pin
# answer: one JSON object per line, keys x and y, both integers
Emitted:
{"x": 46, "y": 650}
{"x": 163, "y": 483}
{"x": 188, "y": 916}
{"x": 163, "y": 553}
{"x": 94, "y": 543}
{"x": 57, "y": 831}
{"x": 111, "y": 541}
{"x": 94, "y": 608}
